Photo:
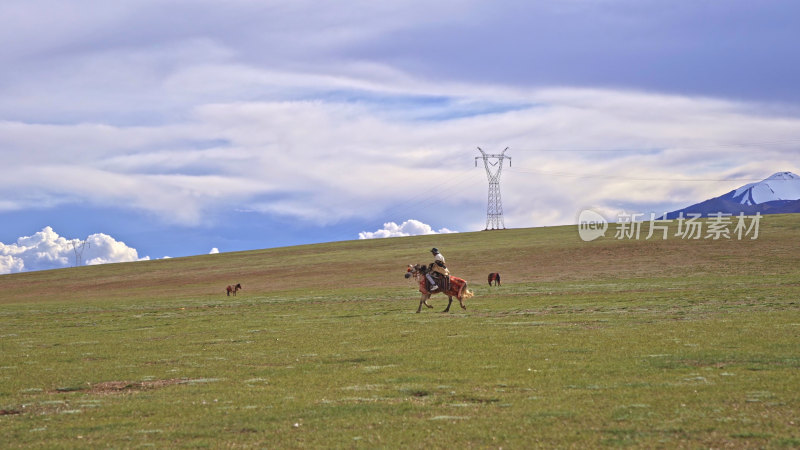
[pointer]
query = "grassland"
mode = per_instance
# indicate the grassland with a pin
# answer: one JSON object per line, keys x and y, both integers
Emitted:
{"x": 631, "y": 343}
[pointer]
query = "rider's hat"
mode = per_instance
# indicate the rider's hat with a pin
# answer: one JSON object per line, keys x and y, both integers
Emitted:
{"x": 434, "y": 250}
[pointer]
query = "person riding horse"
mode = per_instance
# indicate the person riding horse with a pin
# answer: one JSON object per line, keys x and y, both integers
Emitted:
{"x": 437, "y": 270}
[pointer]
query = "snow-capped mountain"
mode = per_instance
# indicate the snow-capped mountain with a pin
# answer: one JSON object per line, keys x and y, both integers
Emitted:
{"x": 778, "y": 194}
{"x": 780, "y": 186}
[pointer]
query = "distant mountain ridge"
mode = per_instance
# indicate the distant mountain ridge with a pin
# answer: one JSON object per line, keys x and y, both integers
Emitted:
{"x": 778, "y": 194}
{"x": 779, "y": 186}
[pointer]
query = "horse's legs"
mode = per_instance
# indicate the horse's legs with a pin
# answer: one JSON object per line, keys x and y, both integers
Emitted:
{"x": 424, "y": 301}
{"x": 449, "y": 301}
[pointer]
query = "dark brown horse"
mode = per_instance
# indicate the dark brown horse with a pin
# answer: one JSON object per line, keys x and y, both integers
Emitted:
{"x": 494, "y": 277}
{"x": 458, "y": 287}
{"x": 232, "y": 289}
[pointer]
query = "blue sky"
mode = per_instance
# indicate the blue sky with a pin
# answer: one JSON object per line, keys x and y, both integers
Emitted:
{"x": 171, "y": 128}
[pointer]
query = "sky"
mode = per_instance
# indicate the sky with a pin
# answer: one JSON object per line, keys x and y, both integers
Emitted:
{"x": 154, "y": 128}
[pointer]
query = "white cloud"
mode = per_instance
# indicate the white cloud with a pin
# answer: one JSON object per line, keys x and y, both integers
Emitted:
{"x": 361, "y": 160}
{"x": 103, "y": 249}
{"x": 410, "y": 227}
{"x": 214, "y": 251}
{"x": 10, "y": 264}
{"x": 47, "y": 250}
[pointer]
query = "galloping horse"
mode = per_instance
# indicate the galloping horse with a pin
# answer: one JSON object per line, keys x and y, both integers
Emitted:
{"x": 494, "y": 276}
{"x": 232, "y": 289}
{"x": 458, "y": 287}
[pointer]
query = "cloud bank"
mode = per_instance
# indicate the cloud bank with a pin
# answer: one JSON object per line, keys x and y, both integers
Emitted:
{"x": 47, "y": 250}
{"x": 570, "y": 148}
{"x": 408, "y": 228}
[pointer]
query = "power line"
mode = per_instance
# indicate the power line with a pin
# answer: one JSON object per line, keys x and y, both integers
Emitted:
{"x": 589, "y": 150}
{"x": 763, "y": 143}
{"x": 620, "y": 177}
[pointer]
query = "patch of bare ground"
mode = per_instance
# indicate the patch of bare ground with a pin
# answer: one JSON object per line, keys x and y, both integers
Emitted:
{"x": 72, "y": 405}
{"x": 114, "y": 387}
{"x": 104, "y": 388}
{"x": 118, "y": 387}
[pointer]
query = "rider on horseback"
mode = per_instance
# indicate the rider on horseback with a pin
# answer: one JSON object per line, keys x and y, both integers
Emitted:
{"x": 438, "y": 268}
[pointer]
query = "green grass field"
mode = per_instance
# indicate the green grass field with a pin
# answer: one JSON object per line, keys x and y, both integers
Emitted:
{"x": 621, "y": 343}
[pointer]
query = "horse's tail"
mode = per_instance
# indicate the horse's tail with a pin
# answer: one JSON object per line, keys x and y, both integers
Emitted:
{"x": 466, "y": 293}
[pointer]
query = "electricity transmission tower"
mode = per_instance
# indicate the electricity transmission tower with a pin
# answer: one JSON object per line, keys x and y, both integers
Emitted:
{"x": 78, "y": 246}
{"x": 494, "y": 208}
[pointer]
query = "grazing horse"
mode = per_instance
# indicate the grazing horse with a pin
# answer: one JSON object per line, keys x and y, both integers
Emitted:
{"x": 494, "y": 277}
{"x": 458, "y": 287}
{"x": 232, "y": 289}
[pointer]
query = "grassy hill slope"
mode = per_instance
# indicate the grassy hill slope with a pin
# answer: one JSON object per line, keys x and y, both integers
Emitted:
{"x": 613, "y": 342}
{"x": 533, "y": 255}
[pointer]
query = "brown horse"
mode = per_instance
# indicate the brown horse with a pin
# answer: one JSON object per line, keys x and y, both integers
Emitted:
{"x": 494, "y": 277}
{"x": 232, "y": 289}
{"x": 458, "y": 287}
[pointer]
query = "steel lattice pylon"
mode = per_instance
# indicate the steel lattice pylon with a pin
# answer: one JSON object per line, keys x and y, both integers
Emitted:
{"x": 494, "y": 207}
